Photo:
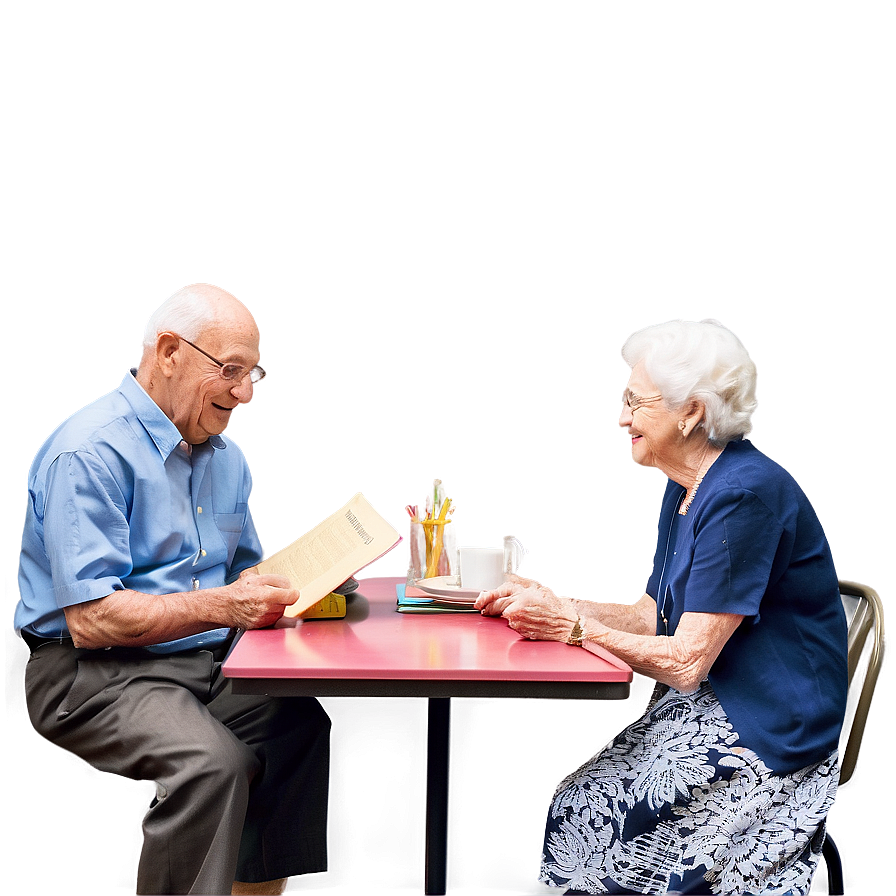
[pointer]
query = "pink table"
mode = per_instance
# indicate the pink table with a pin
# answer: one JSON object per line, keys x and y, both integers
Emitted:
{"x": 377, "y": 652}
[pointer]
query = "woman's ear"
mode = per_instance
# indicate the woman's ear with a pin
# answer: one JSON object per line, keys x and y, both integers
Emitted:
{"x": 693, "y": 415}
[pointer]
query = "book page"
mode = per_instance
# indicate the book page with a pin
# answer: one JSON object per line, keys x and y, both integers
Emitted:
{"x": 332, "y": 552}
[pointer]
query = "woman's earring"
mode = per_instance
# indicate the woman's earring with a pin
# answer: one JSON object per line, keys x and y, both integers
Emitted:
{"x": 681, "y": 425}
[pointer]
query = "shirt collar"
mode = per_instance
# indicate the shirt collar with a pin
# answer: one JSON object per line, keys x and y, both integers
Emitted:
{"x": 160, "y": 429}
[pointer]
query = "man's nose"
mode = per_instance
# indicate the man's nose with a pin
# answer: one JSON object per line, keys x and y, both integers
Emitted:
{"x": 243, "y": 390}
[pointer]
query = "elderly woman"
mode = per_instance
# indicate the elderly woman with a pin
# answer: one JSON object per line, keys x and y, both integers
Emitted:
{"x": 723, "y": 785}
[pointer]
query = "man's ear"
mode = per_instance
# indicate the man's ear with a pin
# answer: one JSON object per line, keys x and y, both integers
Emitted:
{"x": 167, "y": 346}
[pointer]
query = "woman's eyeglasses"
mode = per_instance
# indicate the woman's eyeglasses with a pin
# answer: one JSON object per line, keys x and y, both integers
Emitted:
{"x": 633, "y": 402}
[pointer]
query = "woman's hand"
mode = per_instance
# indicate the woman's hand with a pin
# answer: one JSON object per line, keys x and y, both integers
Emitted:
{"x": 531, "y": 609}
{"x": 493, "y": 603}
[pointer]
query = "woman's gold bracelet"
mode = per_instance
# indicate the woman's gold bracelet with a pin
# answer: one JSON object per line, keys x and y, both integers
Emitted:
{"x": 576, "y": 636}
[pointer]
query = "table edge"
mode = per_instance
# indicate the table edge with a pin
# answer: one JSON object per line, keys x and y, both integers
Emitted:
{"x": 436, "y": 687}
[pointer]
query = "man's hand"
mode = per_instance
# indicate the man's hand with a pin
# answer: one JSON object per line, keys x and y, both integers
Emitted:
{"x": 257, "y": 601}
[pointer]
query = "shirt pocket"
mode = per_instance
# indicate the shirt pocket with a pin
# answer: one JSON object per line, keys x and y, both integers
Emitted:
{"x": 230, "y": 525}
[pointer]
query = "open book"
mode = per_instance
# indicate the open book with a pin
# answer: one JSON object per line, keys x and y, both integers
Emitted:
{"x": 331, "y": 552}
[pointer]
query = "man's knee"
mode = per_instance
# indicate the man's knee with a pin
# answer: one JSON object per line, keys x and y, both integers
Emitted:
{"x": 226, "y": 759}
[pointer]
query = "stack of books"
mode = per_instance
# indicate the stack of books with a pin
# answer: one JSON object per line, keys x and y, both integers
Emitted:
{"x": 439, "y": 594}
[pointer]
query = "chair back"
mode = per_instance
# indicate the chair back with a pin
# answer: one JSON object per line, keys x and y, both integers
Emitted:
{"x": 865, "y": 613}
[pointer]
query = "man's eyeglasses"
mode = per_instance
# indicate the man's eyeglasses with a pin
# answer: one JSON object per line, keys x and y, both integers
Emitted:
{"x": 633, "y": 402}
{"x": 233, "y": 373}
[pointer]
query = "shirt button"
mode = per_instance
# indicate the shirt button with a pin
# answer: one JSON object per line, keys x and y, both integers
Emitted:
{"x": 202, "y": 552}
{"x": 198, "y": 510}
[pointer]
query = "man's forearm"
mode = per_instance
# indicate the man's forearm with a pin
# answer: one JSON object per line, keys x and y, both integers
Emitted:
{"x": 134, "y": 619}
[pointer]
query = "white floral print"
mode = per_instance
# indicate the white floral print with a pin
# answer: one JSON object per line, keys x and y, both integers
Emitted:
{"x": 675, "y": 804}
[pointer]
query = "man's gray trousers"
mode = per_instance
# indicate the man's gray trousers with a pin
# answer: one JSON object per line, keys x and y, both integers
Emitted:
{"x": 242, "y": 781}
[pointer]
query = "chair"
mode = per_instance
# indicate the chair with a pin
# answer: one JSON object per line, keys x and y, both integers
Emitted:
{"x": 865, "y": 614}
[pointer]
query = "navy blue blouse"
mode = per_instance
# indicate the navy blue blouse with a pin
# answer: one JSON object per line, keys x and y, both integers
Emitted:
{"x": 751, "y": 544}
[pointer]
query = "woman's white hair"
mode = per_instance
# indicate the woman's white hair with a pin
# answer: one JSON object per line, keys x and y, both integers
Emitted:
{"x": 187, "y": 313}
{"x": 703, "y": 361}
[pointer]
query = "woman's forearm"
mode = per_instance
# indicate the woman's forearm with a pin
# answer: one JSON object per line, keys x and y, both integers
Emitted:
{"x": 626, "y": 630}
{"x": 637, "y": 619}
{"x": 681, "y": 661}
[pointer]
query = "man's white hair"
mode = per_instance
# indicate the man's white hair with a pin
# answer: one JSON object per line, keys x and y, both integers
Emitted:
{"x": 699, "y": 360}
{"x": 187, "y": 313}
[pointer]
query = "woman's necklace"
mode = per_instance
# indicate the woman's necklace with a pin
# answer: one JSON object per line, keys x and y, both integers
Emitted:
{"x": 683, "y": 510}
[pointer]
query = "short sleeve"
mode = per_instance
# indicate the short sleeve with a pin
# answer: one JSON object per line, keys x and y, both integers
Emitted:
{"x": 86, "y": 532}
{"x": 736, "y": 539}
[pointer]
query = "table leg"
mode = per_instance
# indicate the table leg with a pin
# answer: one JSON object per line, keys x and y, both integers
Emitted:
{"x": 437, "y": 794}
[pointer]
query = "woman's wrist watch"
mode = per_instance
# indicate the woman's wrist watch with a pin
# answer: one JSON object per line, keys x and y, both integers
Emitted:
{"x": 576, "y": 636}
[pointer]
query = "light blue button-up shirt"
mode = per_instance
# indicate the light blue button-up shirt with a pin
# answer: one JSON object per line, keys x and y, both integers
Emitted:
{"x": 117, "y": 501}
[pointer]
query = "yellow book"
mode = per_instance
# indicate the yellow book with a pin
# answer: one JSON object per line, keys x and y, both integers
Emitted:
{"x": 330, "y": 607}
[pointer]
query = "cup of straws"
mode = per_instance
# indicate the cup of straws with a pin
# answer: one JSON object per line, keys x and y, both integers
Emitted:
{"x": 432, "y": 543}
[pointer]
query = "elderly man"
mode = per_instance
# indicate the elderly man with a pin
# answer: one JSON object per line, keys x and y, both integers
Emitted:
{"x": 133, "y": 581}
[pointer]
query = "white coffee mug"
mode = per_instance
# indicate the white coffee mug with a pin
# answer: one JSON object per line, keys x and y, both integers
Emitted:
{"x": 483, "y": 569}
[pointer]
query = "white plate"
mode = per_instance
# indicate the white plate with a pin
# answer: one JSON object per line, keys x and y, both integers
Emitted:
{"x": 444, "y": 586}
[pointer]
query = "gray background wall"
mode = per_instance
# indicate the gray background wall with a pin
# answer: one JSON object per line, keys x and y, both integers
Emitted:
{"x": 447, "y": 218}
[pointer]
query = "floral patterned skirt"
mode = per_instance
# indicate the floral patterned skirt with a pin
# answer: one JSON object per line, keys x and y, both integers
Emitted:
{"x": 675, "y": 805}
